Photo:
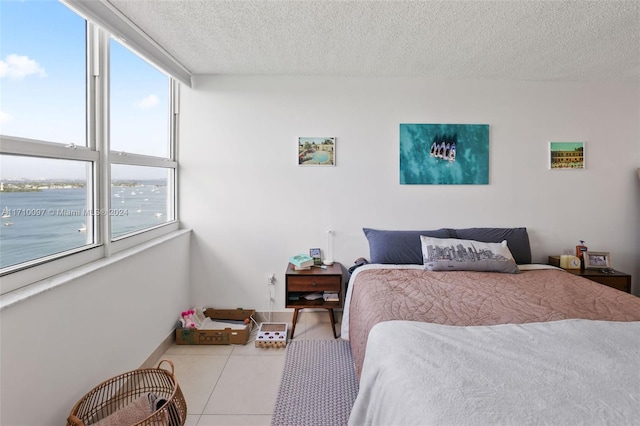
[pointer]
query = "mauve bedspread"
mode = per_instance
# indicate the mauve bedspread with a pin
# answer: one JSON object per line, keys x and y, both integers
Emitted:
{"x": 477, "y": 298}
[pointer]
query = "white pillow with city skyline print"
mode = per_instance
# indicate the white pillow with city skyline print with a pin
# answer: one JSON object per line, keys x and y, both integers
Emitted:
{"x": 451, "y": 254}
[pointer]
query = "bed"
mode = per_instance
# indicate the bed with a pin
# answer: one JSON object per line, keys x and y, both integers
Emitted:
{"x": 396, "y": 306}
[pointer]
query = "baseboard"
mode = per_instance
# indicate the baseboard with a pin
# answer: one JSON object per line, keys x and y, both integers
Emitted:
{"x": 282, "y": 316}
{"x": 287, "y": 316}
{"x": 155, "y": 356}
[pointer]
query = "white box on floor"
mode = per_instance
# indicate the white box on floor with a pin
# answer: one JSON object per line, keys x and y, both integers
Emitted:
{"x": 272, "y": 335}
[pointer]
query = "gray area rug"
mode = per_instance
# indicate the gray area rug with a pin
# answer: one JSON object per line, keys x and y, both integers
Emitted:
{"x": 318, "y": 386}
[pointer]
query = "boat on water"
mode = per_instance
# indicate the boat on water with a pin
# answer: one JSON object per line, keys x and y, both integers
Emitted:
{"x": 444, "y": 151}
{"x": 8, "y": 223}
{"x": 452, "y": 153}
{"x": 83, "y": 228}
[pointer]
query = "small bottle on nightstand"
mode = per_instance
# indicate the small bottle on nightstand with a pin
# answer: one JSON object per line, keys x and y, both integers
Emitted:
{"x": 580, "y": 249}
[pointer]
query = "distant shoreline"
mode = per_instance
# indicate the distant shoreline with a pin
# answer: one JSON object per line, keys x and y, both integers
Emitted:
{"x": 38, "y": 186}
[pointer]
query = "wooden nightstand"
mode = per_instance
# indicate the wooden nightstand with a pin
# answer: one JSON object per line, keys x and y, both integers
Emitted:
{"x": 618, "y": 280}
{"x": 315, "y": 280}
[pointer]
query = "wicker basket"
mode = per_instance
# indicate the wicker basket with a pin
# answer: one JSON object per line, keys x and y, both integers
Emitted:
{"x": 115, "y": 394}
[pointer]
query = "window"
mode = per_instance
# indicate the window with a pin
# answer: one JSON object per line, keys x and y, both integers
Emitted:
{"x": 69, "y": 184}
{"x": 41, "y": 217}
{"x": 46, "y": 169}
{"x": 43, "y": 72}
{"x": 140, "y": 198}
{"x": 140, "y": 129}
{"x": 139, "y": 101}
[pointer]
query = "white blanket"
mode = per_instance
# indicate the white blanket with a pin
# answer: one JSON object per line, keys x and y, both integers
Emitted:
{"x": 554, "y": 373}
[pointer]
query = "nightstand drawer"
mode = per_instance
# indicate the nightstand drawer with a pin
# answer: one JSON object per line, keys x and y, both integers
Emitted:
{"x": 314, "y": 283}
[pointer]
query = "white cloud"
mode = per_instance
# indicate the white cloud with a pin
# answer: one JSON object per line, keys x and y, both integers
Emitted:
{"x": 4, "y": 117}
{"x": 17, "y": 67}
{"x": 148, "y": 102}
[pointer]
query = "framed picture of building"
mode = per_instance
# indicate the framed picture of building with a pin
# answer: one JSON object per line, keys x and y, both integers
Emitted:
{"x": 566, "y": 155}
{"x": 317, "y": 151}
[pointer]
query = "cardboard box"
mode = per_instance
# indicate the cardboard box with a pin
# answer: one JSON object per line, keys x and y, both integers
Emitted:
{"x": 227, "y": 336}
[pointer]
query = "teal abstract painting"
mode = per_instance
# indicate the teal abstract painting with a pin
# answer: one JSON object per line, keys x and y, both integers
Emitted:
{"x": 444, "y": 154}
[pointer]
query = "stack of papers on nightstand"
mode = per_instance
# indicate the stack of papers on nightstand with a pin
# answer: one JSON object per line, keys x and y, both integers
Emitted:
{"x": 331, "y": 296}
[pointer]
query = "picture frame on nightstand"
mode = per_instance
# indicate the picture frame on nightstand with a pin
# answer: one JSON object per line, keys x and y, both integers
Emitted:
{"x": 597, "y": 260}
{"x": 316, "y": 254}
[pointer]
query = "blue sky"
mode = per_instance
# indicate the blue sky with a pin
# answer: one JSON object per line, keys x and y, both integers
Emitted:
{"x": 42, "y": 88}
{"x": 564, "y": 146}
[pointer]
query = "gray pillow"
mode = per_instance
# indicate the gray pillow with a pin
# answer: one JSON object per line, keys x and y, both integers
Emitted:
{"x": 517, "y": 239}
{"x": 399, "y": 247}
{"x": 452, "y": 254}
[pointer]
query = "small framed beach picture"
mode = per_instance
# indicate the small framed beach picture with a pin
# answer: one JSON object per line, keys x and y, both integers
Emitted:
{"x": 317, "y": 151}
{"x": 566, "y": 155}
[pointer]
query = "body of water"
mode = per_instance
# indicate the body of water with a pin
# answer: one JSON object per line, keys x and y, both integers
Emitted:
{"x": 38, "y": 224}
{"x": 321, "y": 156}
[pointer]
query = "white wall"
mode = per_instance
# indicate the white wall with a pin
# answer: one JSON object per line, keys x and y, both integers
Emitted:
{"x": 58, "y": 345}
{"x": 251, "y": 207}
{"x": 637, "y": 214}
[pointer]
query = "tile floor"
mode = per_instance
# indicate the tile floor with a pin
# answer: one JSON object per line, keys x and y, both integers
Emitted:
{"x": 237, "y": 384}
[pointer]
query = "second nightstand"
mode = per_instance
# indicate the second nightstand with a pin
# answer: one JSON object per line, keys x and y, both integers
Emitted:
{"x": 616, "y": 279}
{"x": 313, "y": 281}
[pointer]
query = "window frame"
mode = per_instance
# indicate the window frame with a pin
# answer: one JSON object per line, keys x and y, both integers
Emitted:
{"x": 97, "y": 153}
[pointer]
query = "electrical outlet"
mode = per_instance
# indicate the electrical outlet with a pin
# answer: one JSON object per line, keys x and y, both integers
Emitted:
{"x": 271, "y": 279}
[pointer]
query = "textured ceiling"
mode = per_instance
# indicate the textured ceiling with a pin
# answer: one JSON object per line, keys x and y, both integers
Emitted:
{"x": 505, "y": 40}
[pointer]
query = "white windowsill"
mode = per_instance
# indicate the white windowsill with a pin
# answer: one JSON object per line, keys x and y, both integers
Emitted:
{"x": 34, "y": 289}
